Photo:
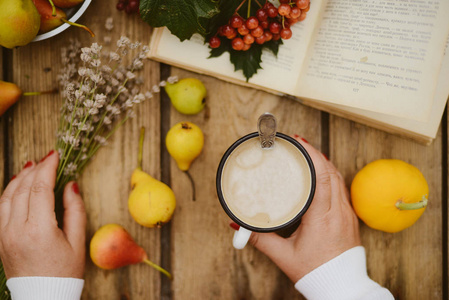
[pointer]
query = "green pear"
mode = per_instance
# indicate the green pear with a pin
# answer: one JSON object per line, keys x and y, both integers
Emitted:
{"x": 19, "y": 22}
{"x": 188, "y": 95}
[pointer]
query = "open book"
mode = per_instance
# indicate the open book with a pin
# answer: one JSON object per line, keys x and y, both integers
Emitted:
{"x": 380, "y": 63}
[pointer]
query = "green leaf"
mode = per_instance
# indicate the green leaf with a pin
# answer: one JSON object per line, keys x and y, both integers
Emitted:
{"x": 182, "y": 17}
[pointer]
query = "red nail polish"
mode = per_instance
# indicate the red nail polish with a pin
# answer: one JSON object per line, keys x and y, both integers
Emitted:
{"x": 75, "y": 188}
{"x": 28, "y": 164}
{"x": 304, "y": 140}
{"x": 234, "y": 226}
{"x": 296, "y": 136}
{"x": 49, "y": 153}
{"x": 13, "y": 177}
{"x": 325, "y": 156}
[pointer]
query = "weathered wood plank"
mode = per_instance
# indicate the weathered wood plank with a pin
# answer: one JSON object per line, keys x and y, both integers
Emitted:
{"x": 105, "y": 185}
{"x": 203, "y": 260}
{"x": 408, "y": 263}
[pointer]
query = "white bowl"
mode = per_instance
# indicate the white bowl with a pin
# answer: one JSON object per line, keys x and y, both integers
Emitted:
{"x": 73, "y": 14}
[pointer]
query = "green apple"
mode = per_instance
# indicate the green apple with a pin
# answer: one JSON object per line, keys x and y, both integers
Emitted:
{"x": 188, "y": 95}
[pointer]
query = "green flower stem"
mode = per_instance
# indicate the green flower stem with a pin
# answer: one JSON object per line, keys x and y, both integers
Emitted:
{"x": 412, "y": 206}
{"x": 249, "y": 9}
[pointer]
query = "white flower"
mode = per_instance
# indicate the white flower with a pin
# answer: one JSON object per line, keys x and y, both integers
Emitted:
{"x": 107, "y": 120}
{"x": 137, "y": 64}
{"x": 119, "y": 75}
{"x": 114, "y": 82}
{"x": 130, "y": 75}
{"x": 93, "y": 111}
{"x": 162, "y": 83}
{"x": 96, "y": 78}
{"x": 95, "y": 63}
{"x": 114, "y": 56}
{"x": 85, "y": 57}
{"x": 109, "y": 24}
{"x": 88, "y": 103}
{"x": 100, "y": 98}
{"x": 172, "y": 79}
{"x": 82, "y": 71}
{"x": 155, "y": 89}
{"x": 128, "y": 103}
{"x": 149, "y": 95}
{"x": 95, "y": 48}
{"x": 70, "y": 169}
{"x": 86, "y": 50}
{"x": 123, "y": 41}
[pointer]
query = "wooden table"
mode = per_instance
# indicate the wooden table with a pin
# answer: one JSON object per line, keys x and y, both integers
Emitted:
{"x": 196, "y": 245}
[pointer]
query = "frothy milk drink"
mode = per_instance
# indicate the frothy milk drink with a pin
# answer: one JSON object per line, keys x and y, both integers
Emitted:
{"x": 266, "y": 188}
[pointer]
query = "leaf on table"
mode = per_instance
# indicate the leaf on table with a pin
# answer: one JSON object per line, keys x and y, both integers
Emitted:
{"x": 182, "y": 17}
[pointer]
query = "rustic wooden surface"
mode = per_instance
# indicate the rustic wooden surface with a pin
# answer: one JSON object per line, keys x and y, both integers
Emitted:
{"x": 196, "y": 245}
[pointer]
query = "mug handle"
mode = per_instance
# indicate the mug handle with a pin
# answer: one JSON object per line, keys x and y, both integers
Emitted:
{"x": 241, "y": 238}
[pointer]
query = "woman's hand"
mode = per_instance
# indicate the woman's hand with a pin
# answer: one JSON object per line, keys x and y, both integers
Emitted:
{"x": 327, "y": 229}
{"x": 31, "y": 244}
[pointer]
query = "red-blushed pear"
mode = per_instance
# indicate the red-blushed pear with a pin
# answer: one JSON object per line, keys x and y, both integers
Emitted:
{"x": 10, "y": 93}
{"x": 67, "y": 3}
{"x": 49, "y": 21}
{"x": 113, "y": 247}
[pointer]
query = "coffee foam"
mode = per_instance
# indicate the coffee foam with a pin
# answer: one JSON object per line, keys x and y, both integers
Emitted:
{"x": 266, "y": 187}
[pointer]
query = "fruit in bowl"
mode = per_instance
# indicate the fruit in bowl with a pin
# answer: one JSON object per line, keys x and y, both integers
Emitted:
{"x": 22, "y": 20}
{"x": 67, "y": 12}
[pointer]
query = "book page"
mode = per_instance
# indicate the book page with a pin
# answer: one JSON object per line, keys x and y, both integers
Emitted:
{"x": 429, "y": 128}
{"x": 279, "y": 73}
{"x": 380, "y": 56}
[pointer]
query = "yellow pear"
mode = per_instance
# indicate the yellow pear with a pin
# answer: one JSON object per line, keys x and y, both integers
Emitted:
{"x": 19, "y": 22}
{"x": 185, "y": 142}
{"x": 151, "y": 202}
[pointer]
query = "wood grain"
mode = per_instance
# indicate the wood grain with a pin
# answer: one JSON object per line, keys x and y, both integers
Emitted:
{"x": 408, "y": 263}
{"x": 105, "y": 184}
{"x": 204, "y": 262}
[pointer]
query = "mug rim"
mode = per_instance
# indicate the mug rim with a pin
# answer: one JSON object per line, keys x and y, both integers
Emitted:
{"x": 298, "y": 215}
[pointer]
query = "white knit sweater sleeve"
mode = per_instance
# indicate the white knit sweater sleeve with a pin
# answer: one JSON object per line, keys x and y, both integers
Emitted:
{"x": 45, "y": 288}
{"x": 343, "y": 277}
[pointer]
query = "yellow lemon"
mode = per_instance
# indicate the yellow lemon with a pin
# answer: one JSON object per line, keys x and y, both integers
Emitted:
{"x": 389, "y": 194}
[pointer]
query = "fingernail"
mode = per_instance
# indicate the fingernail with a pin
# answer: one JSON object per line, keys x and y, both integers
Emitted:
{"x": 296, "y": 136}
{"x": 304, "y": 140}
{"x": 325, "y": 156}
{"x": 49, "y": 153}
{"x": 28, "y": 164}
{"x": 234, "y": 226}
{"x": 13, "y": 177}
{"x": 76, "y": 188}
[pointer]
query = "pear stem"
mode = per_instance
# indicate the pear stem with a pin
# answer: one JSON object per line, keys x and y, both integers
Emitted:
{"x": 78, "y": 25}
{"x": 411, "y": 206}
{"x": 140, "y": 155}
{"x": 160, "y": 269}
{"x": 53, "y": 8}
{"x": 192, "y": 183}
{"x": 40, "y": 93}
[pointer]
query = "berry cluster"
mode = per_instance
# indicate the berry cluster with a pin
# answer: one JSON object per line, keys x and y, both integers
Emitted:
{"x": 269, "y": 23}
{"x": 130, "y": 6}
